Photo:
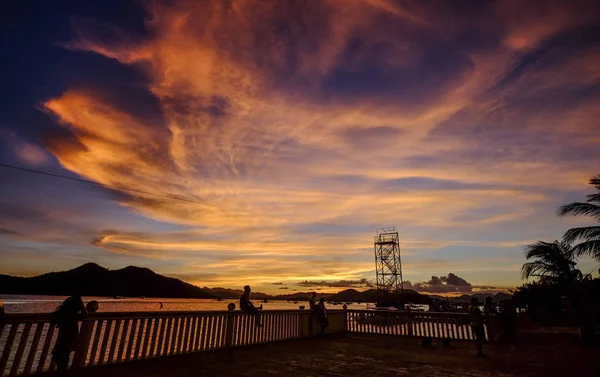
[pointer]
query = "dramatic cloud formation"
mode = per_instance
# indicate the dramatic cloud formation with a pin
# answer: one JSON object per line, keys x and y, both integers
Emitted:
{"x": 297, "y": 128}
{"x": 449, "y": 284}
{"x": 442, "y": 284}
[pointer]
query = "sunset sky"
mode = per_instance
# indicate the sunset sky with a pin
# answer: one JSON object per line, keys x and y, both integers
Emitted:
{"x": 294, "y": 129}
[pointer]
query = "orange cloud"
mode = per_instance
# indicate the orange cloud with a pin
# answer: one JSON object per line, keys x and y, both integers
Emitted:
{"x": 273, "y": 119}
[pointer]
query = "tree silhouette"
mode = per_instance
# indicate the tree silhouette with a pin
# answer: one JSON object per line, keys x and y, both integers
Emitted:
{"x": 551, "y": 262}
{"x": 585, "y": 240}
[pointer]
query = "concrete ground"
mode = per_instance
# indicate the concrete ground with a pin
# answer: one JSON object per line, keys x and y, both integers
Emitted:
{"x": 351, "y": 355}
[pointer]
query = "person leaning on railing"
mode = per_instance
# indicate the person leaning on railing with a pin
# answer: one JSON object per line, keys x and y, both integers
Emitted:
{"x": 66, "y": 318}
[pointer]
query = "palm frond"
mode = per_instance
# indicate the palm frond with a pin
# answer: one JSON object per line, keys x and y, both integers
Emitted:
{"x": 595, "y": 181}
{"x": 588, "y": 249}
{"x": 578, "y": 208}
{"x": 526, "y": 270}
{"x": 550, "y": 262}
{"x": 588, "y": 233}
{"x": 593, "y": 198}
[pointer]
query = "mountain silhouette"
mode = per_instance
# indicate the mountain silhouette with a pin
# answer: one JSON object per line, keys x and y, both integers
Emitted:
{"x": 228, "y": 293}
{"x": 91, "y": 279}
{"x": 370, "y": 295}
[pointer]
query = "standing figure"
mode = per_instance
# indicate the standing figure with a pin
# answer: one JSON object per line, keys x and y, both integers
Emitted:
{"x": 312, "y": 306}
{"x": 488, "y": 306}
{"x": 247, "y": 305}
{"x": 477, "y": 325}
{"x": 66, "y": 318}
{"x": 161, "y": 305}
{"x": 311, "y": 301}
{"x": 322, "y": 315}
{"x": 491, "y": 320}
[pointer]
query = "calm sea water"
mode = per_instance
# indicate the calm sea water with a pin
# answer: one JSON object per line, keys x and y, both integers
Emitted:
{"x": 46, "y": 304}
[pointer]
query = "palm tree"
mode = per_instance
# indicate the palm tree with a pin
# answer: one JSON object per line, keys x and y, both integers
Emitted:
{"x": 586, "y": 240}
{"x": 551, "y": 262}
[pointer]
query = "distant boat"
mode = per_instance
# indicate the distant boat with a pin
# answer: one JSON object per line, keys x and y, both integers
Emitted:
{"x": 219, "y": 298}
{"x": 295, "y": 302}
{"x": 117, "y": 297}
{"x": 265, "y": 300}
{"x": 142, "y": 296}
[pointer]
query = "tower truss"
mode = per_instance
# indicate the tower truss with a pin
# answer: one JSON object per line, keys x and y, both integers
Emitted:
{"x": 388, "y": 265}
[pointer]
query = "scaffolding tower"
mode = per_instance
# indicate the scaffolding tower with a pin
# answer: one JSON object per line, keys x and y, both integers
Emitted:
{"x": 388, "y": 266}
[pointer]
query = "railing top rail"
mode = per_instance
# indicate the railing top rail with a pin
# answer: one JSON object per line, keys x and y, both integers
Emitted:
{"x": 45, "y": 317}
{"x": 401, "y": 312}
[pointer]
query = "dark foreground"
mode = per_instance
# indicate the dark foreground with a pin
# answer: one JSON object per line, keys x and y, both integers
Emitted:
{"x": 351, "y": 355}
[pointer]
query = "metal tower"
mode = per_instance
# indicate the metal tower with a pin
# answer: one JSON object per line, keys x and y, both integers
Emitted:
{"x": 388, "y": 265}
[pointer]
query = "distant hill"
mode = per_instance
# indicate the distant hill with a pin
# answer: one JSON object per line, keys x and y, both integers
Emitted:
{"x": 299, "y": 296}
{"x": 500, "y": 296}
{"x": 228, "y": 293}
{"x": 370, "y": 295}
{"x": 91, "y": 279}
{"x": 234, "y": 293}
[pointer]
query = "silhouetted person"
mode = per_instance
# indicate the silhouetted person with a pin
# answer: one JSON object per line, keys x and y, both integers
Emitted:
{"x": 312, "y": 306}
{"x": 161, "y": 306}
{"x": 66, "y": 318}
{"x": 488, "y": 306}
{"x": 247, "y": 306}
{"x": 311, "y": 301}
{"x": 477, "y": 325}
{"x": 491, "y": 320}
{"x": 322, "y": 315}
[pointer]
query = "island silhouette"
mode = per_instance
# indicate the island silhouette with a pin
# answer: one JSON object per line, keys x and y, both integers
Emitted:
{"x": 92, "y": 279}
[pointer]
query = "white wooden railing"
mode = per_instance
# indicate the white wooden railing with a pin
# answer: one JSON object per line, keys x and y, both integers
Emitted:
{"x": 26, "y": 340}
{"x": 420, "y": 324}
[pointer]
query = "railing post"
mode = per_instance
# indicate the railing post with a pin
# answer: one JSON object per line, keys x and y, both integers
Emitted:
{"x": 409, "y": 324}
{"x": 81, "y": 351}
{"x": 229, "y": 326}
{"x": 345, "y": 318}
{"x": 307, "y": 326}
{"x": 301, "y": 325}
